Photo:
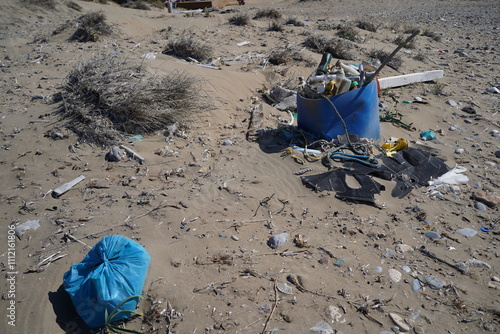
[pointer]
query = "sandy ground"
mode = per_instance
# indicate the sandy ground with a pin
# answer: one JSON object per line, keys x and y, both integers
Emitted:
{"x": 216, "y": 274}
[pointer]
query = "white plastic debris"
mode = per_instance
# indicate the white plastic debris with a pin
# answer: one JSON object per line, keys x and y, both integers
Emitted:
{"x": 452, "y": 177}
{"x": 322, "y": 328}
{"x": 29, "y": 225}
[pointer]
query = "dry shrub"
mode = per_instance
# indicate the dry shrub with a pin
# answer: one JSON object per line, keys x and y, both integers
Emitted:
{"x": 367, "y": 25}
{"x": 108, "y": 97}
{"x": 275, "y": 25}
{"x": 347, "y": 32}
{"x": 327, "y": 26}
{"x": 434, "y": 36}
{"x": 338, "y": 48}
{"x": 188, "y": 45}
{"x": 91, "y": 26}
{"x": 74, "y": 5}
{"x": 410, "y": 29}
{"x": 268, "y": 13}
{"x": 280, "y": 56}
{"x": 421, "y": 56}
{"x": 47, "y": 4}
{"x": 412, "y": 44}
{"x": 294, "y": 22}
{"x": 396, "y": 62}
{"x": 142, "y": 5}
{"x": 239, "y": 19}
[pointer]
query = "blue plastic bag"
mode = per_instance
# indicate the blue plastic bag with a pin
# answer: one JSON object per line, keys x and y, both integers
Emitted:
{"x": 114, "y": 270}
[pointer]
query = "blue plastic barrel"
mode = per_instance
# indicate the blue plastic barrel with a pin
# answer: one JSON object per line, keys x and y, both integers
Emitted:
{"x": 358, "y": 108}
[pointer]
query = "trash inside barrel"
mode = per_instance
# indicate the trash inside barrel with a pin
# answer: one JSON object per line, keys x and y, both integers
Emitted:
{"x": 358, "y": 109}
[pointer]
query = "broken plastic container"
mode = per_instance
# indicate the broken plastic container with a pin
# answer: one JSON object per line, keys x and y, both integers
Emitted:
{"x": 358, "y": 108}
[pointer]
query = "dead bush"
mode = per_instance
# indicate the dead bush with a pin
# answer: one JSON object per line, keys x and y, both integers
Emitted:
{"x": 47, "y": 4}
{"x": 412, "y": 44}
{"x": 434, "y": 36}
{"x": 74, "y": 5}
{"x": 294, "y": 22}
{"x": 239, "y": 19}
{"x": 109, "y": 97}
{"x": 267, "y": 13}
{"x": 410, "y": 29}
{"x": 421, "y": 56}
{"x": 275, "y": 25}
{"x": 188, "y": 45}
{"x": 280, "y": 56}
{"x": 367, "y": 25}
{"x": 347, "y": 32}
{"x": 338, "y": 48}
{"x": 396, "y": 62}
{"x": 91, "y": 27}
{"x": 142, "y": 5}
{"x": 325, "y": 26}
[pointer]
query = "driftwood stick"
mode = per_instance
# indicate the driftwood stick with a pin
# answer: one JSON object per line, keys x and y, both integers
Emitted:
{"x": 272, "y": 310}
{"x": 432, "y": 256}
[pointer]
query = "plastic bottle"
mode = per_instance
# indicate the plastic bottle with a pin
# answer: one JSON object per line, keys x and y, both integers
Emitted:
{"x": 323, "y": 65}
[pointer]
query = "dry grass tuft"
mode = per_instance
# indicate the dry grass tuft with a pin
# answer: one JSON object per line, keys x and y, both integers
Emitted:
{"x": 268, "y": 13}
{"x": 109, "y": 97}
{"x": 434, "y": 36}
{"x": 347, "y": 32}
{"x": 396, "y": 62}
{"x": 239, "y": 19}
{"x": 294, "y": 22}
{"x": 410, "y": 29}
{"x": 74, "y": 5}
{"x": 421, "y": 56}
{"x": 141, "y": 5}
{"x": 410, "y": 45}
{"x": 280, "y": 56}
{"x": 338, "y": 48}
{"x": 91, "y": 27}
{"x": 367, "y": 25}
{"x": 188, "y": 45}
{"x": 275, "y": 25}
{"x": 47, "y": 4}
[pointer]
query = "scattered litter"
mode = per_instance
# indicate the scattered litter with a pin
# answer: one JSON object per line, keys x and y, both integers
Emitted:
{"x": 149, "y": 55}
{"x": 284, "y": 288}
{"x": 322, "y": 328}
{"x": 114, "y": 154}
{"x": 67, "y": 186}
{"x": 136, "y": 138}
{"x": 427, "y": 135}
{"x": 244, "y": 43}
{"x": 109, "y": 280}
{"x": 452, "y": 177}
{"x": 29, "y": 225}
{"x": 132, "y": 153}
{"x": 467, "y": 232}
{"x": 399, "y": 321}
